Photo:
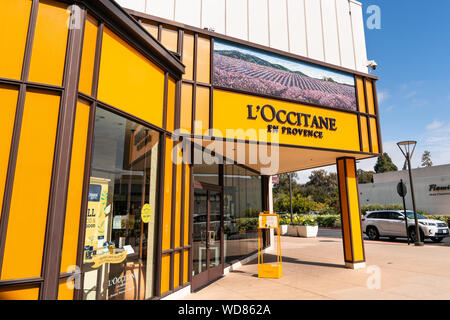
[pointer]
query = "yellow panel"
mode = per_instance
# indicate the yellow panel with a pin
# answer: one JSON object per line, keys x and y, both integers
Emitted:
{"x": 14, "y": 15}
{"x": 202, "y": 111}
{"x": 344, "y": 209}
{"x": 374, "y": 135}
{"x": 169, "y": 39}
{"x": 203, "y": 60}
{"x": 49, "y": 45}
{"x": 176, "y": 269}
{"x": 370, "y": 99}
{"x": 186, "y": 266}
{"x": 171, "y": 105}
{"x": 186, "y": 108}
{"x": 73, "y": 207}
{"x": 361, "y": 95}
{"x": 30, "y": 194}
{"x": 342, "y": 132}
{"x": 355, "y": 214}
{"x": 8, "y": 98}
{"x": 167, "y": 210}
{"x": 364, "y": 134}
{"x": 88, "y": 57}
{"x": 165, "y": 273}
{"x": 19, "y": 293}
{"x": 186, "y": 200}
{"x": 152, "y": 29}
{"x": 64, "y": 293}
{"x": 135, "y": 85}
{"x": 188, "y": 56}
{"x": 178, "y": 200}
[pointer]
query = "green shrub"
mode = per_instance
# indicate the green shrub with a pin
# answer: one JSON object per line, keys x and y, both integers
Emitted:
{"x": 328, "y": 221}
{"x": 305, "y": 220}
{"x": 247, "y": 224}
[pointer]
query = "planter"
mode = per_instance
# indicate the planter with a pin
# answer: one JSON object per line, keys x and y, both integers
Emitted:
{"x": 292, "y": 231}
{"x": 308, "y": 231}
{"x": 283, "y": 229}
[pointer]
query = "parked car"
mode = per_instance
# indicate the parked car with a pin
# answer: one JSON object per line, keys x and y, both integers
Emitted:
{"x": 391, "y": 223}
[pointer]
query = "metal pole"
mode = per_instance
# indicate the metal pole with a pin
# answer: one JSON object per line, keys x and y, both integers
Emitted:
{"x": 290, "y": 196}
{"x": 406, "y": 216}
{"x": 418, "y": 240}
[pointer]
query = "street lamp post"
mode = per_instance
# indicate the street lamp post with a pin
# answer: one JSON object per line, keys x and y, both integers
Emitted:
{"x": 405, "y": 148}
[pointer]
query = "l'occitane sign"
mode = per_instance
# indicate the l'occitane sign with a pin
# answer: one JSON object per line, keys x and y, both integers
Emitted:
{"x": 270, "y": 120}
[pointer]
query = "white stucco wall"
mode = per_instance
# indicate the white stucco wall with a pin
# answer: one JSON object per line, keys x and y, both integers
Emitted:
{"x": 327, "y": 30}
{"x": 384, "y": 189}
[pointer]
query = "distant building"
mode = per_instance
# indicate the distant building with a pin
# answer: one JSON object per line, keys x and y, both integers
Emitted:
{"x": 431, "y": 186}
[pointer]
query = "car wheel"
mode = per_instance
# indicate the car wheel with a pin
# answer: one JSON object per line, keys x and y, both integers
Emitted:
{"x": 373, "y": 233}
{"x": 437, "y": 240}
{"x": 412, "y": 235}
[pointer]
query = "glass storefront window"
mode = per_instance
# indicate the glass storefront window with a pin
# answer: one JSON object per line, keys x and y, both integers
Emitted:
{"x": 120, "y": 234}
{"x": 242, "y": 205}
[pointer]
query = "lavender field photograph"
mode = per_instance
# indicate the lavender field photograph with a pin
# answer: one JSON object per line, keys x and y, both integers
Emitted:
{"x": 260, "y": 72}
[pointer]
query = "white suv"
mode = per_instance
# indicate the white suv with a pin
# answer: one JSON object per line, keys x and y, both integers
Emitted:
{"x": 391, "y": 223}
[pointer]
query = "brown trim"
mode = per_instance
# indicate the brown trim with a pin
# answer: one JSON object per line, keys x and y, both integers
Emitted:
{"x": 145, "y": 16}
{"x": 369, "y": 132}
{"x": 78, "y": 294}
{"x": 30, "y": 39}
{"x": 359, "y": 213}
{"x": 377, "y": 111}
{"x": 34, "y": 85}
{"x": 161, "y": 178}
{"x": 159, "y": 32}
{"x": 349, "y": 214}
{"x": 133, "y": 32}
{"x": 182, "y": 216}
{"x": 340, "y": 204}
{"x": 61, "y": 167}
{"x": 24, "y": 281}
{"x": 97, "y": 58}
{"x": 199, "y": 83}
{"x": 7, "y": 195}
{"x": 359, "y": 116}
{"x": 173, "y": 214}
{"x": 131, "y": 117}
{"x": 181, "y": 248}
{"x": 165, "y": 97}
{"x": 211, "y": 80}
{"x": 191, "y": 217}
{"x": 194, "y": 86}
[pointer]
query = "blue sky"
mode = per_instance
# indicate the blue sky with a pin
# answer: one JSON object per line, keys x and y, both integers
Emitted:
{"x": 412, "y": 50}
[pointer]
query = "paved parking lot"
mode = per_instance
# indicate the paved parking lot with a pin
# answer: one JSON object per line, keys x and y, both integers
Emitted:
{"x": 313, "y": 269}
{"x": 336, "y": 233}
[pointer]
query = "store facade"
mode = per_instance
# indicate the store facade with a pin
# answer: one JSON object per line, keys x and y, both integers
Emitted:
{"x": 136, "y": 151}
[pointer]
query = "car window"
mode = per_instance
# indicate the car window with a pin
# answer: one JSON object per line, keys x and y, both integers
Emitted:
{"x": 373, "y": 215}
{"x": 395, "y": 215}
{"x": 383, "y": 215}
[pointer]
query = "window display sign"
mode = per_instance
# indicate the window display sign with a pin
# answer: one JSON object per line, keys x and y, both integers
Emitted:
{"x": 260, "y": 72}
{"x": 146, "y": 213}
{"x": 96, "y": 215}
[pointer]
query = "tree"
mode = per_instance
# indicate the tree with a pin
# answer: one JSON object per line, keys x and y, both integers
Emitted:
{"x": 365, "y": 176}
{"x": 385, "y": 164}
{"x": 426, "y": 159}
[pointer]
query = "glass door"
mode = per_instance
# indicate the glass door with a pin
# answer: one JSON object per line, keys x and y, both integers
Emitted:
{"x": 207, "y": 236}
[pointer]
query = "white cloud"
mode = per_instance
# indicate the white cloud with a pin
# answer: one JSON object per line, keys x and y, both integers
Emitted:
{"x": 382, "y": 96}
{"x": 436, "y": 124}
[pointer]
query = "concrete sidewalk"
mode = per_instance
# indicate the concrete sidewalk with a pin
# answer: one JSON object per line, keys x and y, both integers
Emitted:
{"x": 313, "y": 269}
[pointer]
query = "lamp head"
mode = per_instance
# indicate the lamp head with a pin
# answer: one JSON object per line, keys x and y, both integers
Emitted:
{"x": 407, "y": 147}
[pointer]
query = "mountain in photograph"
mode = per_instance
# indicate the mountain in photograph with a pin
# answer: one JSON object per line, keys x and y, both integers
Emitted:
{"x": 253, "y": 59}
